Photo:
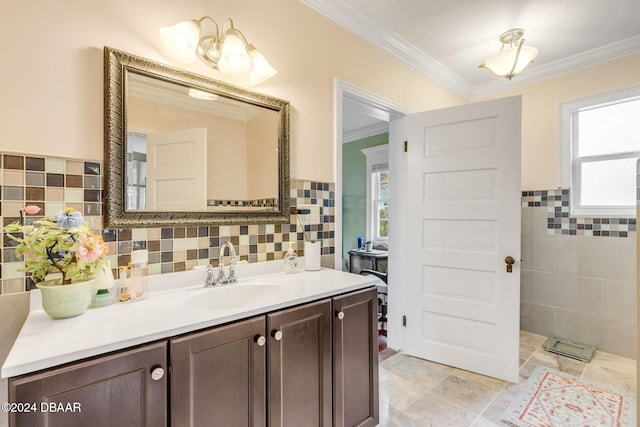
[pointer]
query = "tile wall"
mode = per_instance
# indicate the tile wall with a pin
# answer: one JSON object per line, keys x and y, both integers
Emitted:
{"x": 559, "y": 220}
{"x": 55, "y": 183}
{"x": 578, "y": 282}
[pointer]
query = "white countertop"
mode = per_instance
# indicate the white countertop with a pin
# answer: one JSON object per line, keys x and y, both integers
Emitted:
{"x": 44, "y": 342}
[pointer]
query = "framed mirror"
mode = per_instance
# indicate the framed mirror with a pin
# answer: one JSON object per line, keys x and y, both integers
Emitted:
{"x": 182, "y": 149}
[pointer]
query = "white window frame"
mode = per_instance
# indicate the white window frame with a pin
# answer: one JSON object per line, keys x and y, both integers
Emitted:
{"x": 375, "y": 156}
{"x": 569, "y": 166}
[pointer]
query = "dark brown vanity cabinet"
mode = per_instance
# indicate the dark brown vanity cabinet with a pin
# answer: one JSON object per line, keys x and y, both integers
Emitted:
{"x": 229, "y": 375}
{"x": 299, "y": 360}
{"x": 218, "y": 376}
{"x": 310, "y": 365}
{"x": 128, "y": 388}
{"x": 355, "y": 359}
{"x": 319, "y": 362}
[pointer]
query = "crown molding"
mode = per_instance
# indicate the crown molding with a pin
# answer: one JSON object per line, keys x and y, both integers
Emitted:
{"x": 373, "y": 130}
{"x": 353, "y": 20}
{"x": 380, "y": 36}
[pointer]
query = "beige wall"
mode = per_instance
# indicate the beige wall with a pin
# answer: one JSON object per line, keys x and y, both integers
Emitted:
{"x": 541, "y": 113}
{"x": 52, "y": 99}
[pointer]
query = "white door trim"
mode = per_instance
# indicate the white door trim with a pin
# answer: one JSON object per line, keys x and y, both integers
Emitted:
{"x": 395, "y": 110}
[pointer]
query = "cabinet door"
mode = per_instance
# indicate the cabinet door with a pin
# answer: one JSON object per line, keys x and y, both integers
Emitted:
{"x": 299, "y": 372}
{"x": 355, "y": 359}
{"x": 113, "y": 390}
{"x": 218, "y": 376}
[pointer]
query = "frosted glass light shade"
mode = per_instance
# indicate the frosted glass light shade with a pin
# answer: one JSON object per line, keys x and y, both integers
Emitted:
{"x": 234, "y": 60}
{"x": 181, "y": 39}
{"x": 261, "y": 70}
{"x": 226, "y": 50}
{"x": 502, "y": 62}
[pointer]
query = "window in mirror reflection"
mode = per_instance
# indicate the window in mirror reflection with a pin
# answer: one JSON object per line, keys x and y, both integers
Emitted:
{"x": 136, "y": 170}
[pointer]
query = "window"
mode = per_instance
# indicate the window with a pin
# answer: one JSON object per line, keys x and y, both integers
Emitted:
{"x": 380, "y": 202}
{"x": 601, "y": 147}
{"x": 377, "y": 192}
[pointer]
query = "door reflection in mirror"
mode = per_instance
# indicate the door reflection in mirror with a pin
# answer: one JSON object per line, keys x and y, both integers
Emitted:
{"x": 238, "y": 156}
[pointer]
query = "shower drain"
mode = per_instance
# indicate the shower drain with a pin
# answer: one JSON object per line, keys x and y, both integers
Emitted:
{"x": 568, "y": 348}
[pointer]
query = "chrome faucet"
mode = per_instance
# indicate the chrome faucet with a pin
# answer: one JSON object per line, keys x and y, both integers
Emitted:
{"x": 232, "y": 264}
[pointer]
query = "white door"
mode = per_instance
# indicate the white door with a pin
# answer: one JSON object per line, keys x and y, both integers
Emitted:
{"x": 177, "y": 170}
{"x": 461, "y": 220}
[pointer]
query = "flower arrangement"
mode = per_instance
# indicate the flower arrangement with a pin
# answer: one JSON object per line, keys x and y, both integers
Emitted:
{"x": 59, "y": 244}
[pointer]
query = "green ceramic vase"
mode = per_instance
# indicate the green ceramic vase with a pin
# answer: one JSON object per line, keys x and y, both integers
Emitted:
{"x": 63, "y": 301}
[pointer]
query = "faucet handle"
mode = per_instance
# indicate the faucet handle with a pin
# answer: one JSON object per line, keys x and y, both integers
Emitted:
{"x": 232, "y": 272}
{"x": 209, "y": 281}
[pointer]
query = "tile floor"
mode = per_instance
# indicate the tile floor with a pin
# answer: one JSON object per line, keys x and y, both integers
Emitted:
{"x": 415, "y": 392}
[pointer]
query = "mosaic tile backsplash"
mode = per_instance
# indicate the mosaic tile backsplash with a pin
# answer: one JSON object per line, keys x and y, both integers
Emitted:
{"x": 55, "y": 183}
{"x": 560, "y": 220}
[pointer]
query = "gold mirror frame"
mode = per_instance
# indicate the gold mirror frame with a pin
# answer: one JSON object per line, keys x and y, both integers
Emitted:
{"x": 116, "y": 66}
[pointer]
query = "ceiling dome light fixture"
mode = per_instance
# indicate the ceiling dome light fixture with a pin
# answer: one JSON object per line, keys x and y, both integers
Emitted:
{"x": 512, "y": 59}
{"x": 226, "y": 50}
{"x": 200, "y": 94}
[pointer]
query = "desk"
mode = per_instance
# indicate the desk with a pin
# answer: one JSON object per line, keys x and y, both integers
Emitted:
{"x": 374, "y": 259}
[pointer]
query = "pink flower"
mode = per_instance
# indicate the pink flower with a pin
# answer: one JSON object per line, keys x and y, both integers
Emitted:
{"x": 31, "y": 210}
{"x": 89, "y": 249}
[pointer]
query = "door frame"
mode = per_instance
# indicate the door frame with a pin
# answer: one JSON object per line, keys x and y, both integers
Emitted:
{"x": 393, "y": 110}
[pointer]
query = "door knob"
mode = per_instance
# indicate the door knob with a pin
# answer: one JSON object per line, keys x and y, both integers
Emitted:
{"x": 509, "y": 261}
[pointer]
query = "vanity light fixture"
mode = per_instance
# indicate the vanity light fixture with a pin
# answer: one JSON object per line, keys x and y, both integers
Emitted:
{"x": 226, "y": 50}
{"x": 513, "y": 56}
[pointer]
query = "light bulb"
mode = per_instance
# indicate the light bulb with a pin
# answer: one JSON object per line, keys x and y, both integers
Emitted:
{"x": 234, "y": 60}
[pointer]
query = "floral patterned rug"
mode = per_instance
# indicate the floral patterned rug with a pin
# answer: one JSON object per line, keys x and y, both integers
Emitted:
{"x": 555, "y": 399}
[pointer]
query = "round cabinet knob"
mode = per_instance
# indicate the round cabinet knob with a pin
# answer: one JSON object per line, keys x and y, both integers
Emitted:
{"x": 260, "y": 340}
{"x": 340, "y": 315}
{"x": 277, "y": 335}
{"x": 157, "y": 373}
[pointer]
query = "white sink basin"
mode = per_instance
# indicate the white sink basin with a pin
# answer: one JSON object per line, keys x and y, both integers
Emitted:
{"x": 235, "y": 296}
